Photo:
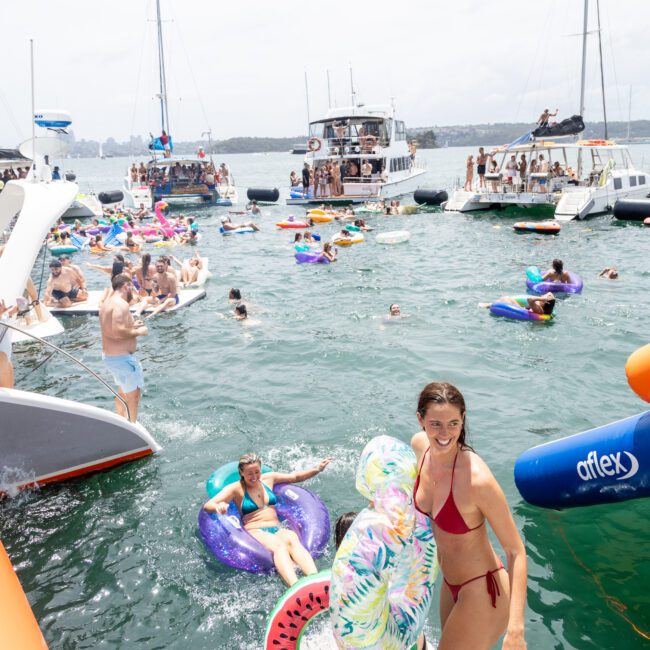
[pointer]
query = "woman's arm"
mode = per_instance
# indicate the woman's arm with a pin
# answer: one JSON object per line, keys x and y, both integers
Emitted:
{"x": 492, "y": 502}
{"x": 219, "y": 502}
{"x": 103, "y": 269}
{"x": 299, "y": 476}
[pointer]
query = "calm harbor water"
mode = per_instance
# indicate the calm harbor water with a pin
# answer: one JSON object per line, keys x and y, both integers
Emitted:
{"x": 115, "y": 560}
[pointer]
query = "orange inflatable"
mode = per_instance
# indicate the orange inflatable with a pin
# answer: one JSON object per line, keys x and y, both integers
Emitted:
{"x": 18, "y": 627}
{"x": 637, "y": 370}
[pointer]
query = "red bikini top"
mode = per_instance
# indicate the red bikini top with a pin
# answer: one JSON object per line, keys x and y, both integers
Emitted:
{"x": 448, "y": 518}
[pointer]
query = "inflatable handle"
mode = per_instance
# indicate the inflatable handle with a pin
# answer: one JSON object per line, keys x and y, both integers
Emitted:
{"x": 637, "y": 370}
{"x": 534, "y": 274}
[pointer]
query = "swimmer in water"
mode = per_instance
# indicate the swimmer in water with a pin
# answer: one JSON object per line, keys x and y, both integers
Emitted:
{"x": 609, "y": 272}
{"x": 255, "y": 500}
{"x": 395, "y": 310}
{"x": 240, "y": 313}
{"x": 234, "y": 295}
{"x": 556, "y": 273}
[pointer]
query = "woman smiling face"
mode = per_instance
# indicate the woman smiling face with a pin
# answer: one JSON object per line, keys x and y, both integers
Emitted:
{"x": 251, "y": 474}
{"x": 443, "y": 424}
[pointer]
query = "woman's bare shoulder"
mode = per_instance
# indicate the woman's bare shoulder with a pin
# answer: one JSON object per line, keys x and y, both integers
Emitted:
{"x": 479, "y": 471}
{"x": 419, "y": 443}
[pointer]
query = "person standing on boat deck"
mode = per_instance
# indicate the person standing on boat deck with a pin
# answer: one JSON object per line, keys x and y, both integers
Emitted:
{"x": 480, "y": 599}
{"x": 225, "y": 173}
{"x": 523, "y": 164}
{"x": 511, "y": 169}
{"x": 481, "y": 162}
{"x": 119, "y": 341}
{"x": 164, "y": 141}
{"x": 366, "y": 170}
{"x": 336, "y": 179}
{"x": 56, "y": 174}
{"x": 542, "y": 120}
{"x": 469, "y": 175}
{"x": 305, "y": 178}
{"x": 543, "y": 169}
{"x": 494, "y": 170}
{"x": 533, "y": 169}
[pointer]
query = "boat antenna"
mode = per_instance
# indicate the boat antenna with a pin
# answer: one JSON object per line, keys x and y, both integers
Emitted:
{"x": 164, "y": 111}
{"x": 31, "y": 54}
{"x": 329, "y": 95}
{"x": 354, "y": 95}
{"x": 307, "y": 100}
{"x": 209, "y": 134}
{"x": 602, "y": 74}
{"x": 582, "y": 79}
{"x": 629, "y": 115}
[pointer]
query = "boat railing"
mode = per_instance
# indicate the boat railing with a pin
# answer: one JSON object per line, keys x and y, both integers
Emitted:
{"x": 69, "y": 356}
{"x": 354, "y": 146}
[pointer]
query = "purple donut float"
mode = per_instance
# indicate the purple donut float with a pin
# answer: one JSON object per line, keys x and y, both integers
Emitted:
{"x": 297, "y": 508}
{"x": 310, "y": 258}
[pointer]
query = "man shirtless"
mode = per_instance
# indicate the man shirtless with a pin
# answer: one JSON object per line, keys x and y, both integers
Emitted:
{"x": 542, "y": 120}
{"x": 78, "y": 273}
{"x": 119, "y": 334}
{"x": 481, "y": 164}
{"x": 63, "y": 287}
{"x": 167, "y": 293}
{"x": 227, "y": 224}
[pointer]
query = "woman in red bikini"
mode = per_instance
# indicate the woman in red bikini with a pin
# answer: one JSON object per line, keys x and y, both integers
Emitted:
{"x": 480, "y": 599}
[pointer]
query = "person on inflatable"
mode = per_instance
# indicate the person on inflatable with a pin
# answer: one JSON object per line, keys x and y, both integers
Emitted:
{"x": 537, "y": 304}
{"x": 254, "y": 497}
{"x": 330, "y": 252}
{"x": 480, "y": 599}
{"x": 227, "y": 225}
{"x": 609, "y": 272}
{"x": 557, "y": 273}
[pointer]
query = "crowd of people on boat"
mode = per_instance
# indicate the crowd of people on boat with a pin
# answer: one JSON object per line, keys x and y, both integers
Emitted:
{"x": 181, "y": 173}
{"x": 520, "y": 175}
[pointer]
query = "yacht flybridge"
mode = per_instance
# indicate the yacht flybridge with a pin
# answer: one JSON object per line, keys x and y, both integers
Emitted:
{"x": 356, "y": 154}
{"x": 574, "y": 180}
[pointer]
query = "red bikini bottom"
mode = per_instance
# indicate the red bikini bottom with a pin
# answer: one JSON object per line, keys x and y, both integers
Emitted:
{"x": 492, "y": 585}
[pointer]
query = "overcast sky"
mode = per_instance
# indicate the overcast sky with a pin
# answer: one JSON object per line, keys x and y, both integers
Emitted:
{"x": 238, "y": 67}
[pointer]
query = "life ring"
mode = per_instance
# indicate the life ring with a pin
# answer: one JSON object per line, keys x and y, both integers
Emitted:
{"x": 295, "y": 610}
{"x": 384, "y": 604}
{"x": 314, "y": 144}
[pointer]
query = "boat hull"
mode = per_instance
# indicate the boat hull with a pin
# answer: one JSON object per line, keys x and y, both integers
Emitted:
{"x": 45, "y": 439}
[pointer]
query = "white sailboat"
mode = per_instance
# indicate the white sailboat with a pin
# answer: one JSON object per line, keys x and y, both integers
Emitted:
{"x": 175, "y": 179}
{"x": 573, "y": 179}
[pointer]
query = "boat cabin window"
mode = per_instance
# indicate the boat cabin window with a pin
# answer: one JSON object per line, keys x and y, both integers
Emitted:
{"x": 632, "y": 181}
{"x": 400, "y": 164}
{"x": 641, "y": 180}
{"x": 618, "y": 184}
{"x": 350, "y": 130}
{"x": 400, "y": 131}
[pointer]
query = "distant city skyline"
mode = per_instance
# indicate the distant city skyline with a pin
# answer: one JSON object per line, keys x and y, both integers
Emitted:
{"x": 239, "y": 68}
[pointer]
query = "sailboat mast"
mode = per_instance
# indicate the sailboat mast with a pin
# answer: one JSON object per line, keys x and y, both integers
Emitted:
{"x": 329, "y": 94}
{"x": 307, "y": 100}
{"x": 164, "y": 112}
{"x": 31, "y": 57}
{"x": 602, "y": 74}
{"x": 582, "y": 79}
{"x": 629, "y": 115}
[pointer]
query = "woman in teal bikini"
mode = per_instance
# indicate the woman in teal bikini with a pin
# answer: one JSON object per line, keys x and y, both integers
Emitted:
{"x": 254, "y": 497}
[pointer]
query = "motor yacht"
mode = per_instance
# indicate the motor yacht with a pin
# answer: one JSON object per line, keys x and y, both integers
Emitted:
{"x": 369, "y": 147}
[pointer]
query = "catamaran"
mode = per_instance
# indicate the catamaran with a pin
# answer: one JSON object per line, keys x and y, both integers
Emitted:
{"x": 185, "y": 179}
{"x": 366, "y": 148}
{"x": 573, "y": 179}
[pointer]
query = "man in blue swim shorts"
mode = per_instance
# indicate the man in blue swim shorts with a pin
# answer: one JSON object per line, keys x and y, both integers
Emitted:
{"x": 119, "y": 341}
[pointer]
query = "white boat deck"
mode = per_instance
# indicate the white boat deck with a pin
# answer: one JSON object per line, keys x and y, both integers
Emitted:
{"x": 91, "y": 306}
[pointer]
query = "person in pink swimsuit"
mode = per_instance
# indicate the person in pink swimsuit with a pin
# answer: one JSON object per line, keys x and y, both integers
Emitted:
{"x": 480, "y": 599}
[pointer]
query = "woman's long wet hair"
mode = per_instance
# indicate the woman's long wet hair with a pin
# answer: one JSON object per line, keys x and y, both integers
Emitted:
{"x": 440, "y": 392}
{"x": 558, "y": 266}
{"x": 341, "y": 527}
{"x": 146, "y": 261}
{"x": 245, "y": 461}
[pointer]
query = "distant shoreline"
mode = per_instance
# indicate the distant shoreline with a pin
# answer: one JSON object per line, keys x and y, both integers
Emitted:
{"x": 452, "y": 136}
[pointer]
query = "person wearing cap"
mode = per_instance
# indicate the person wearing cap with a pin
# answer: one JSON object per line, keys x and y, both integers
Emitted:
{"x": 63, "y": 287}
{"x": 228, "y": 225}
